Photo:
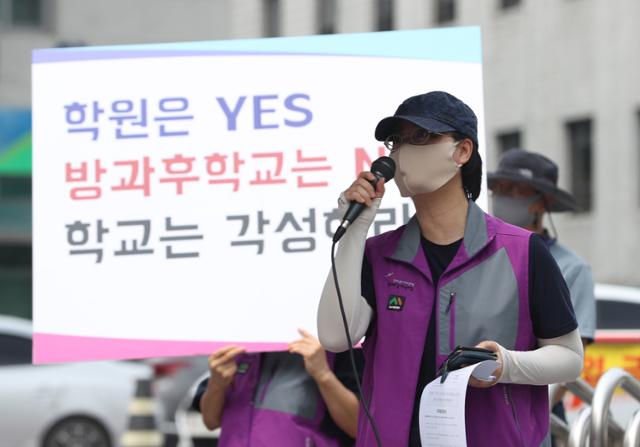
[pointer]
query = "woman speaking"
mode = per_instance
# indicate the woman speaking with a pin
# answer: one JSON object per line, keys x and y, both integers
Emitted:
{"x": 453, "y": 275}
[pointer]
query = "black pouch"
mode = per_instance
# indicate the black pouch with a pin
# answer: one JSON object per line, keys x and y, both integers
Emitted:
{"x": 463, "y": 356}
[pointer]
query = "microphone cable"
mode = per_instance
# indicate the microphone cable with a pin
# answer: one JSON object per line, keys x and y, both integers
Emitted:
{"x": 365, "y": 406}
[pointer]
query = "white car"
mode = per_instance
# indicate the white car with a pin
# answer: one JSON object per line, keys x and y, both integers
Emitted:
{"x": 618, "y": 314}
{"x": 617, "y": 345}
{"x": 61, "y": 405}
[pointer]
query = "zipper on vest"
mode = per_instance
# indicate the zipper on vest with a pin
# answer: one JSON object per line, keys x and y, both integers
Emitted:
{"x": 452, "y": 298}
{"x": 450, "y": 311}
{"x": 509, "y": 399}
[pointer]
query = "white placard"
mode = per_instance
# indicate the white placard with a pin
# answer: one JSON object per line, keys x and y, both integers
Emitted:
{"x": 184, "y": 194}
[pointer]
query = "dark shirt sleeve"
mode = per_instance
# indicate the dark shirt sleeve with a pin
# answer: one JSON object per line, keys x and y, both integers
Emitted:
{"x": 195, "y": 403}
{"x": 343, "y": 369}
{"x": 367, "y": 291}
{"x": 552, "y": 314}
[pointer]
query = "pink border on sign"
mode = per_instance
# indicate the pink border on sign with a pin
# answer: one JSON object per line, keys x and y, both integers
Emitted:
{"x": 52, "y": 348}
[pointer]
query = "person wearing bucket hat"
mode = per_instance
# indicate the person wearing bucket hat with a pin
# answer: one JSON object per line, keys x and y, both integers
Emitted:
{"x": 518, "y": 167}
{"x": 452, "y": 275}
{"x": 524, "y": 188}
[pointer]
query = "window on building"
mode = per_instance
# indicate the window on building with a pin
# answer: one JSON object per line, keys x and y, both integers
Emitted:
{"x": 506, "y": 4}
{"x": 385, "y": 15}
{"x": 70, "y": 43}
{"x": 20, "y": 12}
{"x": 15, "y": 276}
{"x": 326, "y": 14}
{"x": 580, "y": 156}
{"x": 271, "y": 18}
{"x": 15, "y": 246}
{"x": 508, "y": 140}
{"x": 15, "y": 187}
{"x": 445, "y": 11}
{"x": 14, "y": 350}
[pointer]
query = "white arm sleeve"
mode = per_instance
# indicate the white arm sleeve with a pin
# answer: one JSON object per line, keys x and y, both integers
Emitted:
{"x": 348, "y": 260}
{"x": 557, "y": 360}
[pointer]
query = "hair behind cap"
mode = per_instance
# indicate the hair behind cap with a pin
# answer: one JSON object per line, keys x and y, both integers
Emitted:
{"x": 471, "y": 171}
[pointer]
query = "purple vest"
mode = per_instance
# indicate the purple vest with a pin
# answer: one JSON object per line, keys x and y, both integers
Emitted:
{"x": 264, "y": 409}
{"x": 482, "y": 295}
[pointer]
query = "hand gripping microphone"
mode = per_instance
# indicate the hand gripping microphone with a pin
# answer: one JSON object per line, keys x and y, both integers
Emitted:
{"x": 382, "y": 168}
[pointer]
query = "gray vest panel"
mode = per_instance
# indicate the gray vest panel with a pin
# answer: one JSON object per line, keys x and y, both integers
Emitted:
{"x": 286, "y": 387}
{"x": 476, "y": 321}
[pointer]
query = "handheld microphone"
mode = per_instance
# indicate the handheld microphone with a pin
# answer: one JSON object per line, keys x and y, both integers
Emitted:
{"x": 382, "y": 168}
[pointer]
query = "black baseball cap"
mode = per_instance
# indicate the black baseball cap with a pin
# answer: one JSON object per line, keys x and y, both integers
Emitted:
{"x": 436, "y": 111}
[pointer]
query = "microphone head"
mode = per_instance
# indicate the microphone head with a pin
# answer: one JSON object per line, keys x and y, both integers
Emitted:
{"x": 385, "y": 166}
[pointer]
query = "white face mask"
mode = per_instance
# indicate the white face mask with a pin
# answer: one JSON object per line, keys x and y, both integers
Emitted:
{"x": 423, "y": 169}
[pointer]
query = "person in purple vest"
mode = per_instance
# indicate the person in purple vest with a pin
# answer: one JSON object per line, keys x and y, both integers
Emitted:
{"x": 303, "y": 397}
{"x": 453, "y": 275}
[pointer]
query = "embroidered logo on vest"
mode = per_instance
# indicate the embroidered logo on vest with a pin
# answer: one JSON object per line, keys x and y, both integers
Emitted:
{"x": 399, "y": 283}
{"x": 395, "y": 302}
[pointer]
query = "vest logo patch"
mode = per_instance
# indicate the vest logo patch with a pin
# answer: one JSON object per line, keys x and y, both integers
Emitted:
{"x": 243, "y": 367}
{"x": 395, "y": 302}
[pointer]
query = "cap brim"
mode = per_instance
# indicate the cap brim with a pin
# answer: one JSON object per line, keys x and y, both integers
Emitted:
{"x": 390, "y": 124}
{"x": 559, "y": 200}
